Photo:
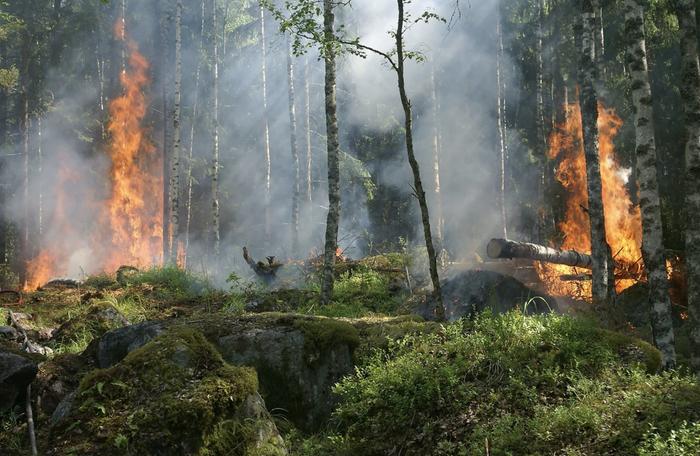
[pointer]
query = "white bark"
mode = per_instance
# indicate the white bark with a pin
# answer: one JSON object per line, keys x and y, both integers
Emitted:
{"x": 652, "y": 230}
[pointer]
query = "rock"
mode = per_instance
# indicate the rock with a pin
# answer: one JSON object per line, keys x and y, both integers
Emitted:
{"x": 99, "y": 319}
{"x": 60, "y": 284}
{"x": 116, "y": 344}
{"x": 173, "y": 396}
{"x": 58, "y": 377}
{"x": 125, "y": 273}
{"x": 298, "y": 360}
{"x": 471, "y": 292}
{"x": 16, "y": 372}
{"x": 8, "y": 333}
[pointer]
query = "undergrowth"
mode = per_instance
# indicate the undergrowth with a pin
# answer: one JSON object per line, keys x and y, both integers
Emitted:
{"x": 526, "y": 385}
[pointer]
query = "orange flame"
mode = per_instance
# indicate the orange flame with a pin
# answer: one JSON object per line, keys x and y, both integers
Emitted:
{"x": 623, "y": 225}
{"x": 130, "y": 220}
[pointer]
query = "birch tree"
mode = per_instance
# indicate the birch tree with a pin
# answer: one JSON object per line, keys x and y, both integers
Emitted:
{"x": 652, "y": 230}
{"x": 603, "y": 289}
{"x": 174, "y": 186}
{"x": 690, "y": 94}
{"x": 266, "y": 123}
{"x": 294, "y": 149}
{"x": 500, "y": 120}
{"x": 216, "y": 236}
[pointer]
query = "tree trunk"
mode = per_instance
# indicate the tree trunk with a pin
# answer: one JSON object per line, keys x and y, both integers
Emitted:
{"x": 437, "y": 146}
{"x": 195, "y": 113}
{"x": 599, "y": 38}
{"x": 500, "y": 118}
{"x": 333, "y": 148}
{"x": 504, "y": 248}
{"x": 418, "y": 184}
{"x": 603, "y": 289}
{"x": 174, "y": 186}
{"x": 307, "y": 128}
{"x": 39, "y": 191}
{"x": 295, "y": 151}
{"x": 690, "y": 94}
{"x": 540, "y": 127}
{"x": 165, "y": 71}
{"x": 266, "y": 126}
{"x": 216, "y": 235}
{"x": 652, "y": 231}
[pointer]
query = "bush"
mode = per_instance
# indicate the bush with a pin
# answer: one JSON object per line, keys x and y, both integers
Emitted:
{"x": 683, "y": 442}
{"x": 528, "y": 385}
{"x": 171, "y": 280}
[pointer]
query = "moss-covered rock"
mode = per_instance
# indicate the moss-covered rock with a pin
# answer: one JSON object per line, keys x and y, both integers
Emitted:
{"x": 298, "y": 358}
{"x": 175, "y": 395}
{"x": 97, "y": 320}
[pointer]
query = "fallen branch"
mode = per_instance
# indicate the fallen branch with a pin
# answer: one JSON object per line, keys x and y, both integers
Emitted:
{"x": 30, "y": 421}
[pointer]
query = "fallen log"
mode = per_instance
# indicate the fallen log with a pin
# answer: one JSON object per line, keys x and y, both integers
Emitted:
{"x": 504, "y": 248}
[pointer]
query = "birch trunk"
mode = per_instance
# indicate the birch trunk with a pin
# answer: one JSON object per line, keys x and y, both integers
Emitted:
{"x": 417, "y": 183}
{"x": 500, "y": 114}
{"x": 175, "y": 157}
{"x": 190, "y": 153}
{"x": 216, "y": 236}
{"x": 39, "y": 173}
{"x": 333, "y": 149}
{"x": 307, "y": 128}
{"x": 652, "y": 231}
{"x": 690, "y": 92}
{"x": 437, "y": 145}
{"x": 266, "y": 126}
{"x": 603, "y": 289}
{"x": 294, "y": 149}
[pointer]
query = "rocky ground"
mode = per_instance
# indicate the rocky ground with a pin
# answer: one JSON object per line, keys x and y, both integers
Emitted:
{"x": 158, "y": 362}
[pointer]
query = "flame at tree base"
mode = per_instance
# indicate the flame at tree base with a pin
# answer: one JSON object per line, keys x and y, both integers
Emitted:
{"x": 623, "y": 222}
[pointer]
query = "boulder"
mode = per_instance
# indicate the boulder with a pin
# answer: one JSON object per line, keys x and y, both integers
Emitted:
{"x": 471, "y": 292}
{"x": 298, "y": 359}
{"x": 8, "y": 333}
{"x": 173, "y": 396}
{"x": 16, "y": 372}
{"x": 114, "y": 345}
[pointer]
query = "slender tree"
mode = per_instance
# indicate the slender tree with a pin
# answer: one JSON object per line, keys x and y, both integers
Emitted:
{"x": 216, "y": 236}
{"x": 307, "y": 129}
{"x": 652, "y": 230}
{"x": 603, "y": 289}
{"x": 690, "y": 94}
{"x": 266, "y": 124}
{"x": 294, "y": 149}
{"x": 437, "y": 146}
{"x": 195, "y": 113}
{"x": 500, "y": 120}
{"x": 333, "y": 149}
{"x": 174, "y": 186}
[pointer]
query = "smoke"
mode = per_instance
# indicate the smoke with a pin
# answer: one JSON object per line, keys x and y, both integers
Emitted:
{"x": 74, "y": 177}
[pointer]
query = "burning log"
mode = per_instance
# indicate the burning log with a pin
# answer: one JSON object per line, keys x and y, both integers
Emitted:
{"x": 504, "y": 248}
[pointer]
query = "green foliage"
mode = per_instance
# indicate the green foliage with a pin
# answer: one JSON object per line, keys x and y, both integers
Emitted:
{"x": 531, "y": 385}
{"x": 682, "y": 442}
{"x": 172, "y": 281}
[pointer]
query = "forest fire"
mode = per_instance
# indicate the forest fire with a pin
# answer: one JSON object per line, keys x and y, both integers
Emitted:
{"x": 623, "y": 224}
{"x": 129, "y": 220}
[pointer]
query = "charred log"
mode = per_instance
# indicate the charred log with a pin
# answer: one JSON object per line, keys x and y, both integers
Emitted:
{"x": 268, "y": 271}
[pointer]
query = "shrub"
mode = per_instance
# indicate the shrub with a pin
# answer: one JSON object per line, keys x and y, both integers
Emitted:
{"x": 683, "y": 442}
{"x": 528, "y": 385}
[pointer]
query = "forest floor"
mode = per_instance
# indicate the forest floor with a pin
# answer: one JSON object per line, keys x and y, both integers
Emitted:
{"x": 160, "y": 362}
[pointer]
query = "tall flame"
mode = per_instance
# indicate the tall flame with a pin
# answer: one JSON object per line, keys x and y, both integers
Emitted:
{"x": 623, "y": 224}
{"x": 134, "y": 212}
{"x": 130, "y": 220}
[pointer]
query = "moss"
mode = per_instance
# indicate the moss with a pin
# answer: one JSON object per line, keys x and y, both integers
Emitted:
{"x": 96, "y": 320}
{"x": 164, "y": 398}
{"x": 633, "y": 350}
{"x": 322, "y": 333}
{"x": 376, "y": 333}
